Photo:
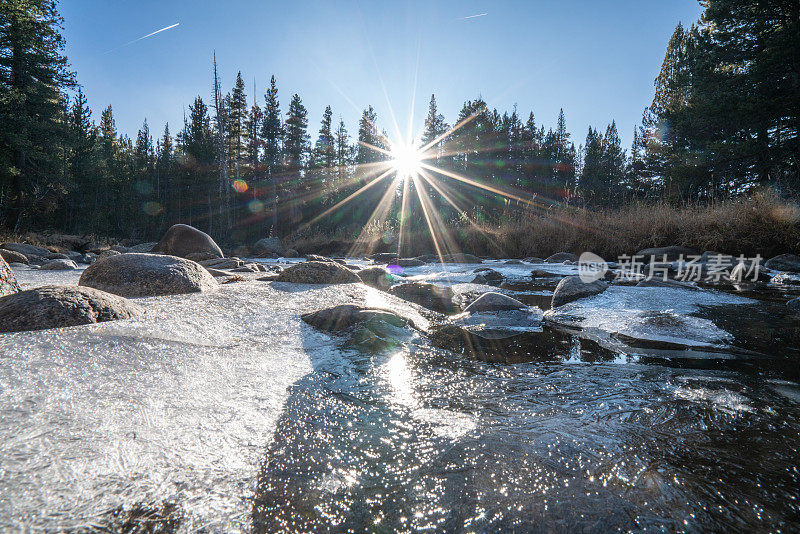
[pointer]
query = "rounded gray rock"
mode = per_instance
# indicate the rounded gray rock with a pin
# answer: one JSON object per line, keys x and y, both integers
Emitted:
{"x": 789, "y": 263}
{"x": 560, "y": 257}
{"x": 573, "y": 288}
{"x": 493, "y": 302}
{"x": 187, "y": 241}
{"x": 428, "y": 295}
{"x": 12, "y": 256}
{"x": 376, "y": 277}
{"x": 147, "y": 275}
{"x": 61, "y": 306}
{"x": 59, "y": 265}
{"x": 318, "y": 272}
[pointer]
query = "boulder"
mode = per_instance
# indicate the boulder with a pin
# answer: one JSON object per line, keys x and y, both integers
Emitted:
{"x": 410, "y": 262}
{"x": 789, "y": 263}
{"x": 376, "y": 277}
{"x": 247, "y": 268}
{"x": 318, "y": 272}
{"x": 491, "y": 276}
{"x": 147, "y": 275}
{"x": 561, "y": 257}
{"x": 539, "y": 273}
{"x": 27, "y": 250}
{"x": 12, "y": 256}
{"x": 314, "y": 257}
{"x": 533, "y": 259}
{"x": 671, "y": 253}
{"x": 494, "y": 302}
{"x": 385, "y": 257}
{"x": 88, "y": 258}
{"x": 267, "y": 246}
{"x": 61, "y": 306}
{"x": 145, "y": 248}
{"x": 8, "y": 282}
{"x": 794, "y": 304}
{"x": 186, "y": 241}
{"x": 222, "y": 263}
{"x": 428, "y": 295}
{"x": 368, "y": 328}
{"x": 107, "y": 254}
{"x": 573, "y": 288}
{"x": 543, "y": 344}
{"x": 291, "y": 253}
{"x": 479, "y": 279}
{"x": 57, "y": 256}
{"x": 59, "y": 265}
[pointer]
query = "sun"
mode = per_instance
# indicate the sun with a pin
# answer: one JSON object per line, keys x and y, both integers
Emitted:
{"x": 406, "y": 160}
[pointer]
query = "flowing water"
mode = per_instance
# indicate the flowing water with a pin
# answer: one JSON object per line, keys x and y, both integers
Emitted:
{"x": 225, "y": 412}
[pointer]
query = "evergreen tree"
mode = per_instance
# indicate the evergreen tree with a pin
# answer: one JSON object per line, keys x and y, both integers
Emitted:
{"x": 368, "y": 134}
{"x": 272, "y": 129}
{"x": 325, "y": 150}
{"x": 296, "y": 138}
{"x": 435, "y": 125}
{"x": 33, "y": 71}
{"x": 236, "y": 108}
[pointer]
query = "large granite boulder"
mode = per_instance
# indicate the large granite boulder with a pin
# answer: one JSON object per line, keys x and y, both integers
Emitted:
{"x": 491, "y": 276}
{"x": 494, "y": 302}
{"x": 318, "y": 272}
{"x": 671, "y": 253}
{"x": 376, "y": 277}
{"x": 32, "y": 252}
{"x": 12, "y": 256}
{"x": 61, "y": 306}
{"x": 147, "y": 275}
{"x": 561, "y": 257}
{"x": 59, "y": 265}
{"x": 573, "y": 288}
{"x": 267, "y": 247}
{"x": 789, "y": 263}
{"x": 186, "y": 241}
{"x": 8, "y": 282}
{"x": 368, "y": 328}
{"x": 428, "y": 295}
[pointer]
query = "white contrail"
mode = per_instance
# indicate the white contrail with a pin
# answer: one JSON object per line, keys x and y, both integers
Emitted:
{"x": 145, "y": 37}
{"x": 474, "y": 16}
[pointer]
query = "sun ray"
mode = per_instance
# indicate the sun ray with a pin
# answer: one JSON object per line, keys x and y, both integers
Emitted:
{"x": 403, "y": 217}
{"x": 475, "y": 183}
{"x": 361, "y": 246}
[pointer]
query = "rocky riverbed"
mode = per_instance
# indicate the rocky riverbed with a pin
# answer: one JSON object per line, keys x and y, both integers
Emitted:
{"x": 419, "y": 397}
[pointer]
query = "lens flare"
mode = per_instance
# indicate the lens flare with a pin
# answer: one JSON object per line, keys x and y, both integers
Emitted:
{"x": 406, "y": 159}
{"x": 240, "y": 186}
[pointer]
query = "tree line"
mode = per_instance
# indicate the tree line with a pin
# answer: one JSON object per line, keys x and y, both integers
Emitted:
{"x": 724, "y": 120}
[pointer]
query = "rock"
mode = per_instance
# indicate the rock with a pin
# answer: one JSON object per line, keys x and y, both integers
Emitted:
{"x": 147, "y": 275}
{"x": 59, "y": 265}
{"x": 314, "y": 257}
{"x": 491, "y": 276}
{"x": 672, "y": 253}
{"x": 789, "y": 263}
{"x": 560, "y": 257}
{"x": 385, "y": 257}
{"x": 794, "y": 304}
{"x": 544, "y": 344}
{"x": 145, "y": 248}
{"x": 428, "y": 258}
{"x": 712, "y": 256}
{"x": 8, "y": 282}
{"x": 247, "y": 268}
{"x": 369, "y": 328}
{"x": 573, "y": 288}
{"x": 107, "y": 254}
{"x": 533, "y": 259}
{"x": 660, "y": 282}
{"x": 222, "y": 263}
{"x": 57, "y": 256}
{"x": 318, "y": 272}
{"x": 376, "y": 277}
{"x": 61, "y": 306}
{"x": 479, "y": 279}
{"x": 267, "y": 246}
{"x": 186, "y": 241}
{"x": 291, "y": 253}
{"x": 29, "y": 251}
{"x": 513, "y": 262}
{"x": 215, "y": 273}
{"x": 410, "y": 262}
{"x": 428, "y": 295}
{"x": 461, "y": 257}
{"x": 539, "y": 273}
{"x": 493, "y": 302}
{"x": 88, "y": 258}
{"x": 742, "y": 273}
{"x": 12, "y": 256}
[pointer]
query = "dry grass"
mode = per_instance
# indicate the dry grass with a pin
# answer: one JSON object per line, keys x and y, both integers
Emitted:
{"x": 762, "y": 224}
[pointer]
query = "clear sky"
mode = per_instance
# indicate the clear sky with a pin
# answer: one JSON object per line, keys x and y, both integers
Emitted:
{"x": 596, "y": 59}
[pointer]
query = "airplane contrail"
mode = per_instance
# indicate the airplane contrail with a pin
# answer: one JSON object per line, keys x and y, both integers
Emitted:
{"x": 144, "y": 37}
{"x": 474, "y": 16}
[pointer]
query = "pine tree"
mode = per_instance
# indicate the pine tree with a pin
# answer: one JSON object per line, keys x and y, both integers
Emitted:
{"x": 236, "y": 107}
{"x": 324, "y": 155}
{"x": 435, "y": 125}
{"x": 368, "y": 136}
{"x": 612, "y": 162}
{"x": 33, "y": 71}
{"x": 296, "y": 137}
{"x": 272, "y": 133}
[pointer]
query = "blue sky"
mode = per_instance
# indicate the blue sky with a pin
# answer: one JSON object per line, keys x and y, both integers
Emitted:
{"x": 596, "y": 59}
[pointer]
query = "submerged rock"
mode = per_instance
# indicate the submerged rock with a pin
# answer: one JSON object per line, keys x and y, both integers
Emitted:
{"x": 318, "y": 272}
{"x": 428, "y": 295}
{"x": 267, "y": 246}
{"x": 147, "y": 275}
{"x": 186, "y": 241}
{"x": 789, "y": 263}
{"x": 376, "y": 277}
{"x": 491, "y": 276}
{"x": 368, "y": 327}
{"x": 560, "y": 257}
{"x": 12, "y": 256}
{"x": 8, "y": 282}
{"x": 59, "y": 265}
{"x": 493, "y": 302}
{"x": 573, "y": 288}
{"x": 61, "y": 306}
